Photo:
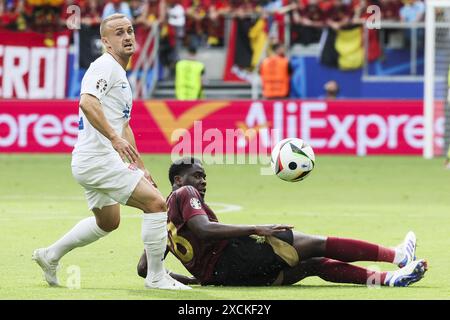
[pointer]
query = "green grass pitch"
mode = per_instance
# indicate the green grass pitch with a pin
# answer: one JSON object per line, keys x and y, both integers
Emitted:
{"x": 375, "y": 198}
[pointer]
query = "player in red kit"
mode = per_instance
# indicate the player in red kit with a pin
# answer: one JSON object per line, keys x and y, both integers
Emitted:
{"x": 257, "y": 255}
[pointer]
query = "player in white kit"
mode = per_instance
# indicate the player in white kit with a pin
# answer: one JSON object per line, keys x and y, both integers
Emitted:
{"x": 106, "y": 163}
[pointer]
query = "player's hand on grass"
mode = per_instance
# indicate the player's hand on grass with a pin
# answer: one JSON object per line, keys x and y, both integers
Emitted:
{"x": 125, "y": 149}
{"x": 271, "y": 229}
{"x": 183, "y": 279}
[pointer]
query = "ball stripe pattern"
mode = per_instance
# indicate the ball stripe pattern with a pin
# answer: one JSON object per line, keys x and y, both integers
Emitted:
{"x": 292, "y": 159}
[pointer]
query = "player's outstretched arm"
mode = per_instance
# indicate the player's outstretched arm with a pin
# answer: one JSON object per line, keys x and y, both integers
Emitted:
{"x": 206, "y": 229}
{"x": 93, "y": 111}
{"x": 184, "y": 279}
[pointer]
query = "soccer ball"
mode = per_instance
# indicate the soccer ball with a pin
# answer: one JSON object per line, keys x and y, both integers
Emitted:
{"x": 292, "y": 159}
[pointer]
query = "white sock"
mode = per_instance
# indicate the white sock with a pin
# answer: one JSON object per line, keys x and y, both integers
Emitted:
{"x": 154, "y": 236}
{"x": 399, "y": 255}
{"x": 84, "y": 232}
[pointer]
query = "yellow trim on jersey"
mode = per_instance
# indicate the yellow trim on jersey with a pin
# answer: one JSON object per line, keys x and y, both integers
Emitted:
{"x": 176, "y": 241}
{"x": 284, "y": 250}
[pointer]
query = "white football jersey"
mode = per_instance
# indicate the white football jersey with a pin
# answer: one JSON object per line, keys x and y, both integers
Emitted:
{"x": 106, "y": 80}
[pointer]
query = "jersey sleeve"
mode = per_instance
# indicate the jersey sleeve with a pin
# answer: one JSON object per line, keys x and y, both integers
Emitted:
{"x": 190, "y": 203}
{"x": 97, "y": 80}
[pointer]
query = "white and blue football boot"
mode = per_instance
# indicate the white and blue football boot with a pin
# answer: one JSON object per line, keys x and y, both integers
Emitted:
{"x": 408, "y": 247}
{"x": 411, "y": 273}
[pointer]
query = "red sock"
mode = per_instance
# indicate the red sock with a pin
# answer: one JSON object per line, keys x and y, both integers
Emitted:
{"x": 341, "y": 272}
{"x": 350, "y": 250}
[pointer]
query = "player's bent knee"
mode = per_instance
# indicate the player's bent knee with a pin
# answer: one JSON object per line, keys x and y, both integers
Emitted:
{"x": 109, "y": 226}
{"x": 161, "y": 206}
{"x": 309, "y": 246}
{"x": 115, "y": 225}
{"x": 316, "y": 240}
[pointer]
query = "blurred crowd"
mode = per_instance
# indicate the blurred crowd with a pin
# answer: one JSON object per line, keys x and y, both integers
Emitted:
{"x": 195, "y": 24}
{"x": 201, "y": 22}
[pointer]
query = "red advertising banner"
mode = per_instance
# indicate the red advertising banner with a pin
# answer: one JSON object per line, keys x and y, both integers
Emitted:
{"x": 333, "y": 127}
{"x": 38, "y": 125}
{"x": 33, "y": 65}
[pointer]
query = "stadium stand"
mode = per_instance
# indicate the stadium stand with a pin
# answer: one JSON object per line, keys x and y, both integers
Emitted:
{"x": 321, "y": 35}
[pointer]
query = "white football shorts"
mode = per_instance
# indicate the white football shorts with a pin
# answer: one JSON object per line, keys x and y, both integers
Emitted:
{"x": 107, "y": 180}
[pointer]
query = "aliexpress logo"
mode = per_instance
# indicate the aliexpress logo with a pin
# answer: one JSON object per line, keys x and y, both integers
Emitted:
{"x": 168, "y": 123}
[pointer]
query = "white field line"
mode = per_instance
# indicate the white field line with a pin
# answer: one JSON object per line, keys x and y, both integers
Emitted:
{"x": 221, "y": 208}
{"x": 9, "y": 197}
{"x": 39, "y": 215}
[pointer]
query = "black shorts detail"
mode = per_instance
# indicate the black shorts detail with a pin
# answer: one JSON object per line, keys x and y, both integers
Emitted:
{"x": 249, "y": 262}
{"x": 286, "y": 236}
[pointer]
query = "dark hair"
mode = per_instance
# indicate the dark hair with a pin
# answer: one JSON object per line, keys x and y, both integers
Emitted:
{"x": 179, "y": 166}
{"x": 192, "y": 49}
{"x": 276, "y": 46}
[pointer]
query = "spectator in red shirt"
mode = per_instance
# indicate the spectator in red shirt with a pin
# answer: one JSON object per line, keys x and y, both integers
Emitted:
{"x": 217, "y": 9}
{"x": 360, "y": 17}
{"x": 196, "y": 23}
{"x": 313, "y": 15}
{"x": 307, "y": 22}
{"x": 390, "y": 9}
{"x": 150, "y": 12}
{"x": 13, "y": 14}
{"x": 326, "y": 5}
{"x": 46, "y": 16}
{"x": 91, "y": 11}
{"x": 339, "y": 15}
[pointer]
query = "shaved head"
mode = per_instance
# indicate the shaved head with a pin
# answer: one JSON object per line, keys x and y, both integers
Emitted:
{"x": 117, "y": 35}
{"x": 105, "y": 21}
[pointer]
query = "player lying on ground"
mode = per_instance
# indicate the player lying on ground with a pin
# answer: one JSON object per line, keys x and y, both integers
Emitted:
{"x": 239, "y": 255}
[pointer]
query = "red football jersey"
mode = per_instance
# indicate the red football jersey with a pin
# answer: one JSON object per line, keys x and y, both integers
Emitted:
{"x": 198, "y": 256}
